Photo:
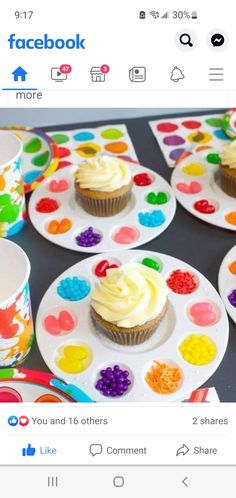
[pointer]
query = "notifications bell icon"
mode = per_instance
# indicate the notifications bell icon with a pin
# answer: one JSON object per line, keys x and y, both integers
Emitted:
{"x": 176, "y": 74}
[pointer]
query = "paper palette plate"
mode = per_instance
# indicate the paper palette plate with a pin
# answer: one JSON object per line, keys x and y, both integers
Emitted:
{"x": 18, "y": 385}
{"x": 109, "y": 228}
{"x": 197, "y": 171}
{"x": 40, "y": 156}
{"x": 162, "y": 346}
{"x": 227, "y": 281}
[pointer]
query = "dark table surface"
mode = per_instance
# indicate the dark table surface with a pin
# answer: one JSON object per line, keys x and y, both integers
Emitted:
{"x": 199, "y": 244}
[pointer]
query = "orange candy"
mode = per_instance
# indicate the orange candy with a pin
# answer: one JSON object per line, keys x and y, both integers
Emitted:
{"x": 231, "y": 218}
{"x": 56, "y": 227}
{"x": 232, "y": 267}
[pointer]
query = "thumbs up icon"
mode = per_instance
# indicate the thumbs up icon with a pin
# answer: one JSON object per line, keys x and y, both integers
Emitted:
{"x": 29, "y": 451}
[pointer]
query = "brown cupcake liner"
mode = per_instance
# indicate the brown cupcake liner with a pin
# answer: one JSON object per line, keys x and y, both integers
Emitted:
{"x": 228, "y": 183}
{"x": 131, "y": 338}
{"x": 104, "y": 207}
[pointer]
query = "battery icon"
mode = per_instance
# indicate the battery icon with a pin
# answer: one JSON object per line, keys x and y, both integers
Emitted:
{"x": 194, "y": 14}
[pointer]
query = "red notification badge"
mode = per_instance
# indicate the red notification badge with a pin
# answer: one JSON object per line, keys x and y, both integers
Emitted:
{"x": 105, "y": 68}
{"x": 65, "y": 68}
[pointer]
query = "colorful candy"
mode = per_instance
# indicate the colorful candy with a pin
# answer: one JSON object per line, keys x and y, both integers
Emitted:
{"x": 64, "y": 322}
{"x": 204, "y": 313}
{"x": 88, "y": 238}
{"x": 56, "y": 227}
{"x": 126, "y": 235}
{"x": 157, "y": 198}
{"x": 113, "y": 382}
{"x": 232, "y": 267}
{"x": 193, "y": 169}
{"x": 142, "y": 179}
{"x": 231, "y": 218}
{"x": 47, "y": 205}
{"x": 58, "y": 186}
{"x": 182, "y": 282}
{"x": 74, "y": 359}
{"x": 102, "y": 267}
{"x": 151, "y": 219}
{"x": 189, "y": 188}
{"x": 73, "y": 289}
{"x": 204, "y": 206}
{"x": 48, "y": 398}
{"x": 198, "y": 349}
{"x": 213, "y": 158}
{"x": 232, "y": 298}
{"x": 151, "y": 263}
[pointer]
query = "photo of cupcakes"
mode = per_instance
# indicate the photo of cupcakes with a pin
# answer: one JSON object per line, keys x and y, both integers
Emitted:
{"x": 103, "y": 185}
{"x": 228, "y": 169}
{"x": 128, "y": 304}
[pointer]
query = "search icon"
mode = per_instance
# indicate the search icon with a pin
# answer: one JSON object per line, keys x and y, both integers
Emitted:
{"x": 185, "y": 39}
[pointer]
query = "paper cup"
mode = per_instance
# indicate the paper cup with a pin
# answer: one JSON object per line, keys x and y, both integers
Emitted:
{"x": 12, "y": 197}
{"x": 16, "y": 324}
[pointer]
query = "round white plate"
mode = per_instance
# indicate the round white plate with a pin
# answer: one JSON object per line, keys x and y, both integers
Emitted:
{"x": 210, "y": 190}
{"x": 163, "y": 345}
{"x": 107, "y": 227}
{"x": 227, "y": 281}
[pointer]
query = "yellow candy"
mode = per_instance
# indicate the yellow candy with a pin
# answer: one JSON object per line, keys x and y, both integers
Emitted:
{"x": 193, "y": 169}
{"x": 74, "y": 359}
{"x": 198, "y": 349}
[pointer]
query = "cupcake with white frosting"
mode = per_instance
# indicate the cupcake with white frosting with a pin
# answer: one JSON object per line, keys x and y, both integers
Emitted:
{"x": 128, "y": 304}
{"x": 103, "y": 185}
{"x": 228, "y": 169}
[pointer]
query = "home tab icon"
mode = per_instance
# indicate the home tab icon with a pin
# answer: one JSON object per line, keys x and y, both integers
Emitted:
{"x": 97, "y": 75}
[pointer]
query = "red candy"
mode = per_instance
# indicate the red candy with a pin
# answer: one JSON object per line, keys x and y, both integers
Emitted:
{"x": 204, "y": 206}
{"x": 66, "y": 320}
{"x": 47, "y": 205}
{"x": 142, "y": 179}
{"x": 63, "y": 152}
{"x": 182, "y": 282}
{"x": 102, "y": 267}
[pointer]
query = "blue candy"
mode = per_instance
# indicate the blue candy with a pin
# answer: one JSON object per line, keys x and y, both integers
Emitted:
{"x": 73, "y": 289}
{"x": 151, "y": 218}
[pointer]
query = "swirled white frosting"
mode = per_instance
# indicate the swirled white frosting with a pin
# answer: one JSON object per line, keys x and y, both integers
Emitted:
{"x": 103, "y": 173}
{"x": 228, "y": 156}
{"x": 130, "y": 295}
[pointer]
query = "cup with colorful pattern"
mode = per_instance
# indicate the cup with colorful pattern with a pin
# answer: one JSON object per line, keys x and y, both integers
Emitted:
{"x": 12, "y": 198}
{"x": 16, "y": 323}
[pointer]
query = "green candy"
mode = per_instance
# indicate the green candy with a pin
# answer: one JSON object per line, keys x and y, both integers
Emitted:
{"x": 7, "y": 373}
{"x": 152, "y": 198}
{"x": 111, "y": 134}
{"x": 214, "y": 122}
{"x": 213, "y": 158}
{"x": 151, "y": 263}
{"x": 159, "y": 198}
{"x": 60, "y": 138}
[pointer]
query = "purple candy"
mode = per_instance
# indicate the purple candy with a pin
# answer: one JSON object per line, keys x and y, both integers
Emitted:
{"x": 88, "y": 238}
{"x": 232, "y": 298}
{"x": 113, "y": 381}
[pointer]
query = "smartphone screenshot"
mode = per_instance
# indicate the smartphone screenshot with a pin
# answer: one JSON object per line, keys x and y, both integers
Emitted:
{"x": 117, "y": 249}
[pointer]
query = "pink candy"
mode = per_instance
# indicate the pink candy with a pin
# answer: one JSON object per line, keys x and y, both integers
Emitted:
{"x": 189, "y": 188}
{"x": 126, "y": 235}
{"x": 58, "y": 186}
{"x": 55, "y": 326}
{"x": 204, "y": 313}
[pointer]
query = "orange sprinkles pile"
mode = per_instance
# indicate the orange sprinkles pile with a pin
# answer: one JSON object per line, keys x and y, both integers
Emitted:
{"x": 164, "y": 378}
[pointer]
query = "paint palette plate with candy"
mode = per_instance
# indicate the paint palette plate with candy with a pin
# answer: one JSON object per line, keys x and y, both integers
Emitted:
{"x": 196, "y": 184}
{"x": 227, "y": 282}
{"x": 184, "y": 351}
{"x": 189, "y": 134}
{"x": 40, "y": 156}
{"x": 77, "y": 145}
{"x": 18, "y": 385}
{"x": 58, "y": 217}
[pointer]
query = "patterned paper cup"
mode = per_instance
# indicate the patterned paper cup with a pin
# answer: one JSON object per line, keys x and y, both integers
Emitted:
{"x": 16, "y": 324}
{"x": 12, "y": 198}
